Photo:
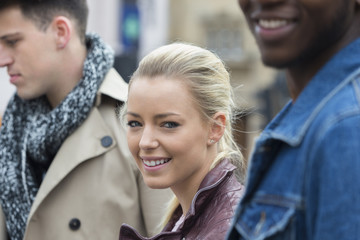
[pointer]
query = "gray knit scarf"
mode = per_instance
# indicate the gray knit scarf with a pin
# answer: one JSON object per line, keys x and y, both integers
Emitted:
{"x": 32, "y": 133}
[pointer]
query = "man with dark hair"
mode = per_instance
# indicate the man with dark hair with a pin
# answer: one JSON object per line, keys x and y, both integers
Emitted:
{"x": 65, "y": 168}
{"x": 304, "y": 176}
{"x": 41, "y": 12}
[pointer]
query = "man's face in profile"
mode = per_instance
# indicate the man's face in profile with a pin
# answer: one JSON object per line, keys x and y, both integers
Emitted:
{"x": 28, "y": 54}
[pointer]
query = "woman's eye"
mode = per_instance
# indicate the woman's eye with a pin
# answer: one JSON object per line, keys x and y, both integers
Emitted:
{"x": 170, "y": 124}
{"x": 134, "y": 124}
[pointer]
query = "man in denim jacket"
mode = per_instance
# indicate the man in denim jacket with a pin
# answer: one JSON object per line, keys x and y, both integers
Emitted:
{"x": 304, "y": 175}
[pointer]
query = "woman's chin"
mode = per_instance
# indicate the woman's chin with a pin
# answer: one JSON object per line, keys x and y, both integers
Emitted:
{"x": 155, "y": 184}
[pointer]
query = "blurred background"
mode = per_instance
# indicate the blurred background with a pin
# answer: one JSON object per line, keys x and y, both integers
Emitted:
{"x": 135, "y": 27}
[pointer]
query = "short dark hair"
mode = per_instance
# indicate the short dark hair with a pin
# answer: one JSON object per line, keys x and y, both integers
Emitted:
{"x": 41, "y": 12}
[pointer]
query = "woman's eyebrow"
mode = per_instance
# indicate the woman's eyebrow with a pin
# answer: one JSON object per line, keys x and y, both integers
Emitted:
{"x": 161, "y": 115}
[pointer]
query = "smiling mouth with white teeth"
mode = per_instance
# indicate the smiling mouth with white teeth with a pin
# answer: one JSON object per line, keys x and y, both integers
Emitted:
{"x": 272, "y": 23}
{"x": 154, "y": 163}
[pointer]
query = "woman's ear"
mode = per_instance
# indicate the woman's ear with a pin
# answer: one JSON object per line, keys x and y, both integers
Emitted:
{"x": 63, "y": 28}
{"x": 217, "y": 127}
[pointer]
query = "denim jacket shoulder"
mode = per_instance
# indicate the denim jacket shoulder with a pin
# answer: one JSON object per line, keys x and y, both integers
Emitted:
{"x": 298, "y": 151}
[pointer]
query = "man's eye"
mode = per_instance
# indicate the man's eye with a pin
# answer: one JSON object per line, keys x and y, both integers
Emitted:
{"x": 11, "y": 43}
{"x": 134, "y": 124}
{"x": 170, "y": 124}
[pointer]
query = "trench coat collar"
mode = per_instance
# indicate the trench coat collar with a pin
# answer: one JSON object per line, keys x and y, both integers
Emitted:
{"x": 115, "y": 89}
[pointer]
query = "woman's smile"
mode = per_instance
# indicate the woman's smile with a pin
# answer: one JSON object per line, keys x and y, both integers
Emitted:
{"x": 155, "y": 162}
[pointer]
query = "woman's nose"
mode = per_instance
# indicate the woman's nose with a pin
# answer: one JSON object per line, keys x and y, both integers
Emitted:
{"x": 148, "y": 139}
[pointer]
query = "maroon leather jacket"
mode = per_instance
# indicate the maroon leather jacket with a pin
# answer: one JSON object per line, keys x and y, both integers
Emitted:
{"x": 211, "y": 211}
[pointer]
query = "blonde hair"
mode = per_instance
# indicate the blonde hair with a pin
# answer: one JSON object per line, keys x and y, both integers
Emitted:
{"x": 209, "y": 82}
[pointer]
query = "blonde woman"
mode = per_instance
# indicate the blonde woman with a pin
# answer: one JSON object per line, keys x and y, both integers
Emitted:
{"x": 179, "y": 113}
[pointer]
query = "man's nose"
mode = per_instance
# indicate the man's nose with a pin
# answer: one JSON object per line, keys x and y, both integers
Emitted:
{"x": 5, "y": 58}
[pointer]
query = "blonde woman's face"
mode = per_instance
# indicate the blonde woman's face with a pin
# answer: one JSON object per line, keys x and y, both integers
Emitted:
{"x": 166, "y": 134}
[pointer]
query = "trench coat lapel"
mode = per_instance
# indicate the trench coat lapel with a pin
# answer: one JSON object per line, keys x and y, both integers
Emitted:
{"x": 82, "y": 145}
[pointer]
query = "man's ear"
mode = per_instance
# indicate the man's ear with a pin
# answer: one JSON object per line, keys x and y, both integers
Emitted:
{"x": 63, "y": 28}
{"x": 217, "y": 127}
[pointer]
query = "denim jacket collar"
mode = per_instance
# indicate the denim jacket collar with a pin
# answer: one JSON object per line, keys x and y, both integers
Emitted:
{"x": 291, "y": 124}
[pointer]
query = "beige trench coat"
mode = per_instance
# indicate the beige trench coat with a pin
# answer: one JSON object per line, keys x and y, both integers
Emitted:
{"x": 93, "y": 184}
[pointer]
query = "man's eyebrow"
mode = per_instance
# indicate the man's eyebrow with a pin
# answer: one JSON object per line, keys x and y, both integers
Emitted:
{"x": 6, "y": 36}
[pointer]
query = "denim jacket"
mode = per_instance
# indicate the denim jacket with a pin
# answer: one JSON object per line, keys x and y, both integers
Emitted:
{"x": 304, "y": 175}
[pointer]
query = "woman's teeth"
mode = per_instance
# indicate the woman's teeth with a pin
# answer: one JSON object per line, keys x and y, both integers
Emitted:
{"x": 155, "y": 163}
